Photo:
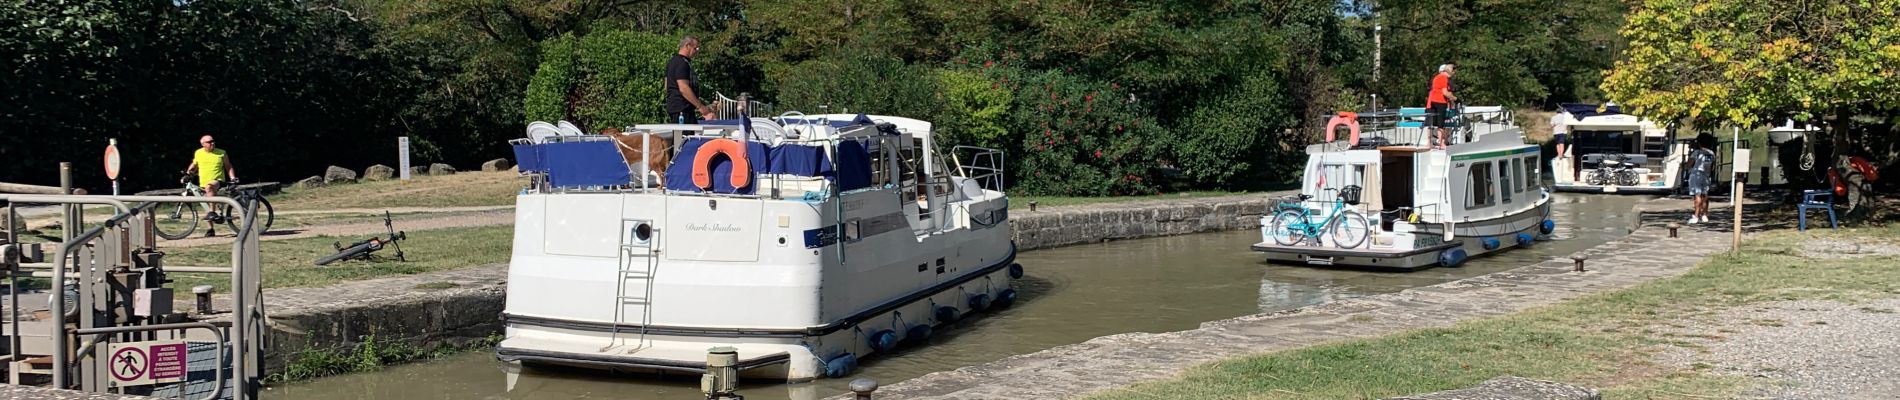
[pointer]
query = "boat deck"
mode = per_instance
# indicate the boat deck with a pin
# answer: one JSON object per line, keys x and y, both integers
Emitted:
{"x": 1369, "y": 258}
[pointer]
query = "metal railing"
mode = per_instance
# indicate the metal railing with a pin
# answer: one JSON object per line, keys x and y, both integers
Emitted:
{"x": 244, "y": 279}
{"x": 1405, "y": 127}
{"x": 987, "y": 166}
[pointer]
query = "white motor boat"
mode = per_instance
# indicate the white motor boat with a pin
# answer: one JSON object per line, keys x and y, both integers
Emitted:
{"x": 1613, "y": 152}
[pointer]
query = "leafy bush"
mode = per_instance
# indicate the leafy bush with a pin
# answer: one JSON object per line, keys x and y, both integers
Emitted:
{"x": 1079, "y": 137}
{"x": 605, "y": 78}
{"x": 858, "y": 83}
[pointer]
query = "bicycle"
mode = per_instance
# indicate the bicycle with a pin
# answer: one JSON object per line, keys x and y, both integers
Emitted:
{"x": 1613, "y": 169}
{"x": 182, "y": 218}
{"x": 1348, "y": 229}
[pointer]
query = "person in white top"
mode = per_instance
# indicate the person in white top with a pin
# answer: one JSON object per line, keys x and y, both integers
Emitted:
{"x": 1560, "y": 133}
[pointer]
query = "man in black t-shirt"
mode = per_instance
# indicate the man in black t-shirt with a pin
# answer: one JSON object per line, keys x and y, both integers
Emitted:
{"x": 682, "y": 86}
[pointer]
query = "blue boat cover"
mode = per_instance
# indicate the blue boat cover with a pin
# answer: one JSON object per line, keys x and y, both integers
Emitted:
{"x": 801, "y": 160}
{"x": 590, "y": 163}
{"x": 679, "y": 175}
{"x": 854, "y": 166}
{"x": 1584, "y": 110}
{"x": 528, "y": 158}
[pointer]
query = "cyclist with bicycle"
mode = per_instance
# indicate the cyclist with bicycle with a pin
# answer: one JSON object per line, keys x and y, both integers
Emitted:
{"x": 213, "y": 167}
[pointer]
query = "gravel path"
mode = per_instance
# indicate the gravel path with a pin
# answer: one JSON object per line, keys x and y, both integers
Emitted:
{"x": 376, "y": 228}
{"x": 1801, "y": 349}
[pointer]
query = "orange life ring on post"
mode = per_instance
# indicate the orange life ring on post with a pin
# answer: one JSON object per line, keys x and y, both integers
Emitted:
{"x": 1834, "y": 179}
{"x": 702, "y": 163}
{"x": 1866, "y": 169}
{"x": 1350, "y": 120}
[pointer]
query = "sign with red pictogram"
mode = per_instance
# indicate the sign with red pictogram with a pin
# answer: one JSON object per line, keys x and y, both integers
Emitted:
{"x": 145, "y": 363}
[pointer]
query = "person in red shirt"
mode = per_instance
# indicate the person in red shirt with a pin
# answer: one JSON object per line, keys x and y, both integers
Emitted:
{"x": 1438, "y": 103}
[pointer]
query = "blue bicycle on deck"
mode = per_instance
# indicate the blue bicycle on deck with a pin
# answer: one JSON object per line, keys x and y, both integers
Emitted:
{"x": 1293, "y": 224}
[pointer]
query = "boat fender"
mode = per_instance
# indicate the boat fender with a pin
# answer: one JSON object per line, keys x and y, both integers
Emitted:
{"x": 702, "y": 163}
{"x": 1489, "y": 243}
{"x": 1350, "y": 120}
{"x": 1005, "y": 298}
{"x": 838, "y": 367}
{"x": 1015, "y": 271}
{"x": 1547, "y": 227}
{"x": 946, "y": 314}
{"x": 917, "y": 334}
{"x": 979, "y": 302}
{"x": 1525, "y": 239}
{"x": 883, "y": 340}
{"x": 1451, "y": 258}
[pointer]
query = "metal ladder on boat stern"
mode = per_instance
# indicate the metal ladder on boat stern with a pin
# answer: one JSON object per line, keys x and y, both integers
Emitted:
{"x": 638, "y": 262}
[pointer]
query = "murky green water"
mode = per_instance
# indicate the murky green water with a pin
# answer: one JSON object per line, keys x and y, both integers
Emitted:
{"x": 1071, "y": 294}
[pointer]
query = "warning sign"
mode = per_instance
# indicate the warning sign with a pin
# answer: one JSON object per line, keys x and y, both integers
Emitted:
{"x": 145, "y": 363}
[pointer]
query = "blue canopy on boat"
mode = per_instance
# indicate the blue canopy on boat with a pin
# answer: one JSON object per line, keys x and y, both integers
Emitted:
{"x": 1585, "y": 110}
{"x": 589, "y": 163}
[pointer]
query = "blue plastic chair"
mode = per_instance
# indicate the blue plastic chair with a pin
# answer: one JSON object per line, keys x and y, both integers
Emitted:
{"x": 1818, "y": 199}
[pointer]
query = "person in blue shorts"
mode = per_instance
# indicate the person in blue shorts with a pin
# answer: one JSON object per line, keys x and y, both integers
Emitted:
{"x": 1701, "y": 163}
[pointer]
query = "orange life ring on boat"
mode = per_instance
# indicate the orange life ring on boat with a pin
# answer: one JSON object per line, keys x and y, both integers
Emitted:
{"x": 1350, "y": 120}
{"x": 702, "y": 163}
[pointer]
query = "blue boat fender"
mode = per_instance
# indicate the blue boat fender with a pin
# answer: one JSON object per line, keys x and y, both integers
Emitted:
{"x": 917, "y": 334}
{"x": 1525, "y": 239}
{"x": 840, "y": 366}
{"x": 1489, "y": 243}
{"x": 1452, "y": 257}
{"x": 1547, "y": 227}
{"x": 1005, "y": 298}
{"x": 946, "y": 314}
{"x": 1015, "y": 271}
{"x": 979, "y": 302}
{"x": 883, "y": 340}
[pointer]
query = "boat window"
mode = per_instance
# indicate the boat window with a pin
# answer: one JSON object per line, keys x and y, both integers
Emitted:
{"x": 1530, "y": 165}
{"x": 1482, "y": 193}
{"x": 1338, "y": 176}
{"x": 1506, "y": 188}
{"x": 1517, "y": 174}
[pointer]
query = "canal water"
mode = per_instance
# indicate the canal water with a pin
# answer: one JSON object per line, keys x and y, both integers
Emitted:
{"x": 1071, "y": 294}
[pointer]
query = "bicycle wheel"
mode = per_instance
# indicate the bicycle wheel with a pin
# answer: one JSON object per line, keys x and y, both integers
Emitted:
{"x": 1286, "y": 229}
{"x": 1350, "y": 230}
{"x": 265, "y": 216}
{"x": 174, "y": 221}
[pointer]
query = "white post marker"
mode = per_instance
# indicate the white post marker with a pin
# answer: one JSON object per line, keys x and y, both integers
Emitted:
{"x": 112, "y": 164}
{"x": 1735, "y": 196}
{"x": 402, "y": 155}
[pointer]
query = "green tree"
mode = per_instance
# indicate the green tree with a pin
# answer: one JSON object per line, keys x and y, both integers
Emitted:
{"x": 1749, "y": 62}
{"x": 606, "y": 78}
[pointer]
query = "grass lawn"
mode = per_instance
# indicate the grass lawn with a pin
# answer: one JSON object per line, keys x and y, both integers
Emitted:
{"x": 1022, "y": 202}
{"x": 288, "y": 263}
{"x": 459, "y": 190}
{"x": 1603, "y": 341}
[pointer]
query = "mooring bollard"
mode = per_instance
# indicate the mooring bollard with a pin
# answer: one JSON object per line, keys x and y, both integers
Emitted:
{"x": 1579, "y": 257}
{"x": 721, "y": 378}
{"x": 863, "y": 387}
{"x": 203, "y": 292}
{"x": 1672, "y": 229}
{"x": 1032, "y": 205}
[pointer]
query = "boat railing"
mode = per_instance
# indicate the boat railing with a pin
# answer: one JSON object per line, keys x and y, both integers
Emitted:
{"x": 986, "y": 166}
{"x": 1406, "y": 126}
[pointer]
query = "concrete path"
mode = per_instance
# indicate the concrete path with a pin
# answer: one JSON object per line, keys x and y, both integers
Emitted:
{"x": 1121, "y": 360}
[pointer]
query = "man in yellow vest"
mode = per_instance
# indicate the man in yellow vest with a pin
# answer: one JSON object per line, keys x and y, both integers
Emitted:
{"x": 211, "y": 164}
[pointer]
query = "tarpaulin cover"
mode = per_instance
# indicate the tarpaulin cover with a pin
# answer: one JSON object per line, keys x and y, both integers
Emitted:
{"x": 528, "y": 158}
{"x": 1582, "y": 110}
{"x": 854, "y": 166}
{"x": 589, "y": 163}
{"x": 801, "y": 160}
{"x": 679, "y": 176}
